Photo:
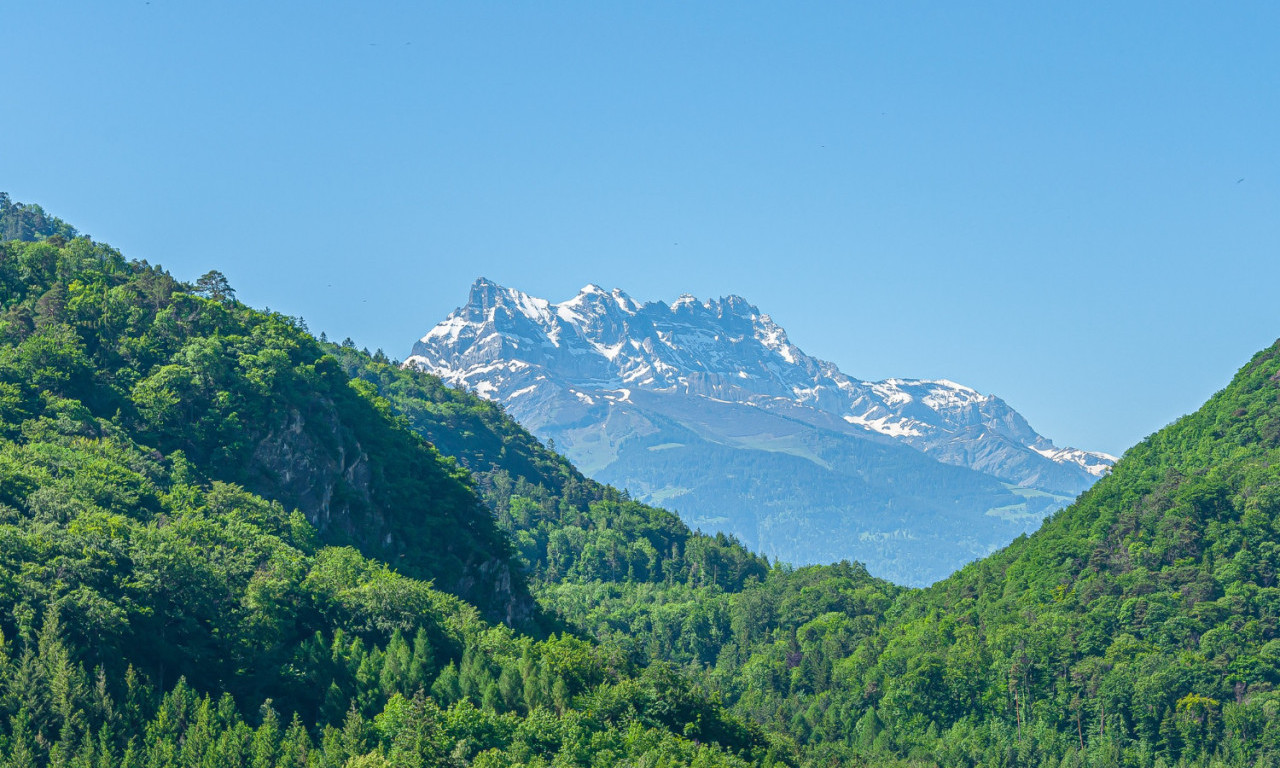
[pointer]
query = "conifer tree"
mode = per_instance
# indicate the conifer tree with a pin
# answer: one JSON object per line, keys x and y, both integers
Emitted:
{"x": 446, "y": 688}
{"x": 22, "y": 742}
{"x": 214, "y": 285}
{"x": 266, "y": 739}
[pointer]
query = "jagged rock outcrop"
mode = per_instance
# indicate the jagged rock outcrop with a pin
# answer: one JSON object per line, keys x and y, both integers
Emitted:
{"x": 316, "y": 461}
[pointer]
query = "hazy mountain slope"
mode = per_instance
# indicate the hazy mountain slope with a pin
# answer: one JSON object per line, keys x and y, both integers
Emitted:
{"x": 670, "y": 400}
{"x": 566, "y": 527}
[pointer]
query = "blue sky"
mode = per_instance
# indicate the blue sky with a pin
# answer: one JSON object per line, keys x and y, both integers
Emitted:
{"x": 1073, "y": 205}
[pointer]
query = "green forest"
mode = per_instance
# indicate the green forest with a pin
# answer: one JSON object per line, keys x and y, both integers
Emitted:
{"x": 226, "y": 542}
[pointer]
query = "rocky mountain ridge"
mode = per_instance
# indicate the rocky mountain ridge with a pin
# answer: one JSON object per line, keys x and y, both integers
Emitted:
{"x": 725, "y": 349}
{"x": 615, "y": 382}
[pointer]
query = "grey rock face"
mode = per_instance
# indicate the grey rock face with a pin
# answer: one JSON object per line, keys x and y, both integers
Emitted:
{"x": 624, "y": 387}
{"x": 311, "y": 460}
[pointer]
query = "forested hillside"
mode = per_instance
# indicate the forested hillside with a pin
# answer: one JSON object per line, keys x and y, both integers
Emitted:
{"x": 210, "y": 546}
{"x": 225, "y": 542}
{"x": 1139, "y": 626}
{"x": 19, "y": 221}
{"x": 243, "y": 397}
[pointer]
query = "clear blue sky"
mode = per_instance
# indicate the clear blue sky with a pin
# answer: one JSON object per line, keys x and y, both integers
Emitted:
{"x": 1039, "y": 200}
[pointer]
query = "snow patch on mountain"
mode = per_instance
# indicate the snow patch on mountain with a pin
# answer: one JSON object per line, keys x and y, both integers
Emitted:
{"x": 1095, "y": 463}
{"x": 884, "y": 426}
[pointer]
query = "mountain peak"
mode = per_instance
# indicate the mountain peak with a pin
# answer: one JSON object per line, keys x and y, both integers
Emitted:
{"x": 738, "y": 304}
{"x": 726, "y": 349}
{"x": 646, "y": 391}
{"x": 484, "y": 292}
{"x": 484, "y": 285}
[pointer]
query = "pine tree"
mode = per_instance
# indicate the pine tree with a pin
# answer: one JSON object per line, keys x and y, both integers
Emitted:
{"x": 446, "y": 688}
{"x": 86, "y": 753}
{"x": 421, "y": 664}
{"x": 136, "y": 707}
{"x": 560, "y": 695}
{"x": 510, "y": 688}
{"x": 491, "y": 697}
{"x": 199, "y": 739}
{"x": 368, "y": 683}
{"x": 546, "y": 685}
{"x": 28, "y": 691}
{"x": 105, "y": 755}
{"x": 356, "y": 737}
{"x": 335, "y": 703}
{"x": 22, "y": 742}
{"x": 266, "y": 740}
{"x": 418, "y": 745}
{"x": 471, "y": 674}
{"x": 296, "y": 746}
{"x": 214, "y": 285}
{"x": 160, "y": 744}
{"x": 396, "y": 661}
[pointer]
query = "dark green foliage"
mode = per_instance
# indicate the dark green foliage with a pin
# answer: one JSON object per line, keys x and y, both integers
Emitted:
{"x": 20, "y": 221}
{"x": 1145, "y": 618}
{"x": 1139, "y": 627}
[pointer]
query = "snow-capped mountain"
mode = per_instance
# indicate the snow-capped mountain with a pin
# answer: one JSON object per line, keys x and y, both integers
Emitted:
{"x": 616, "y": 383}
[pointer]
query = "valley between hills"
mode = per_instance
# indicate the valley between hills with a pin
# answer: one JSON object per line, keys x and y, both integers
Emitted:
{"x": 225, "y": 541}
{"x": 707, "y": 408}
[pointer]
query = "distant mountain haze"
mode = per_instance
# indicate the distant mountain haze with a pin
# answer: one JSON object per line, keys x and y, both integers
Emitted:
{"x": 707, "y": 407}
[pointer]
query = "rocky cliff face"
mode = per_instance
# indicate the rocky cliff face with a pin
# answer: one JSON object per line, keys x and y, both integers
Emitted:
{"x": 615, "y": 382}
{"x": 328, "y": 461}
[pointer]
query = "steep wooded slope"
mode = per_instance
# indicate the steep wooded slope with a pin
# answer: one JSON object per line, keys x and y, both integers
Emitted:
{"x": 244, "y": 397}
{"x": 1140, "y": 624}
